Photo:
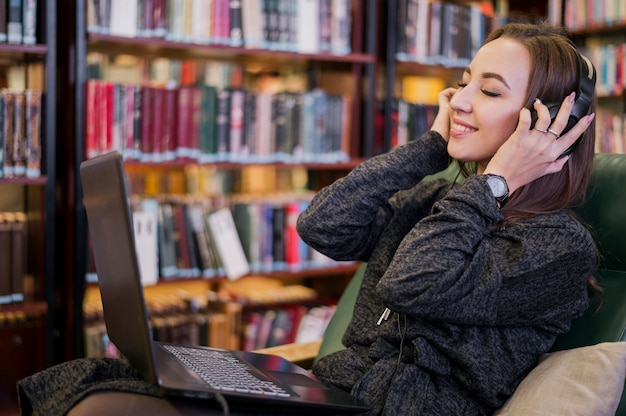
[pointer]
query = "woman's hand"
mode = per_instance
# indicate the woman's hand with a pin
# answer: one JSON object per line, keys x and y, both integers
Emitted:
{"x": 442, "y": 121}
{"x": 531, "y": 154}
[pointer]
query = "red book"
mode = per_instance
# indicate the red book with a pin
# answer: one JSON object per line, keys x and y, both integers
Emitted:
{"x": 292, "y": 243}
{"x": 147, "y": 140}
{"x": 109, "y": 114}
{"x": 92, "y": 95}
{"x": 129, "y": 137}
{"x": 158, "y": 115}
{"x": 169, "y": 123}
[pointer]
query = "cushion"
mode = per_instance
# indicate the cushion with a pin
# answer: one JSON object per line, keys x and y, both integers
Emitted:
{"x": 580, "y": 381}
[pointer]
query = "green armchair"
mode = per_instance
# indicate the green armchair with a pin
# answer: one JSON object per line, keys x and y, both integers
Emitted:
{"x": 605, "y": 320}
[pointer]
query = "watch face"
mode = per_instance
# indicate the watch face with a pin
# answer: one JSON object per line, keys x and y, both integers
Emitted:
{"x": 497, "y": 185}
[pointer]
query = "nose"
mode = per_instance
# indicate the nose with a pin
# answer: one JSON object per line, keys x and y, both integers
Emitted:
{"x": 461, "y": 100}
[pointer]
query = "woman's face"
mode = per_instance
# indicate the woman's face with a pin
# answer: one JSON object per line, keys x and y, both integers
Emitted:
{"x": 485, "y": 109}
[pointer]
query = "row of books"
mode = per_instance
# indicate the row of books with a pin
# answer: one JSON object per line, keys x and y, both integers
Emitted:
{"x": 303, "y": 26}
{"x": 583, "y": 14}
{"x": 205, "y": 124}
{"x": 610, "y": 132}
{"x": 18, "y": 21}
{"x": 218, "y": 323}
{"x": 264, "y": 328}
{"x": 13, "y": 253}
{"x": 191, "y": 239}
{"x": 413, "y": 120}
{"x": 433, "y": 32}
{"x": 20, "y": 133}
{"x": 610, "y": 62}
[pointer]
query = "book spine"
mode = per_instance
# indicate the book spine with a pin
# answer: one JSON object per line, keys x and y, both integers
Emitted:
{"x": 33, "y": 133}
{"x": 29, "y": 22}
{"x": 147, "y": 123}
{"x": 14, "y": 21}
{"x": 168, "y": 266}
{"x": 235, "y": 34}
{"x": 158, "y": 124}
{"x": 8, "y": 127}
{"x": 340, "y": 28}
{"x": 237, "y": 108}
{"x": 183, "y": 149}
{"x": 138, "y": 98}
{"x": 194, "y": 120}
{"x": 6, "y": 257}
{"x": 207, "y": 141}
{"x": 222, "y": 124}
{"x": 3, "y": 21}
{"x": 279, "y": 127}
{"x": 169, "y": 123}
{"x": 19, "y": 135}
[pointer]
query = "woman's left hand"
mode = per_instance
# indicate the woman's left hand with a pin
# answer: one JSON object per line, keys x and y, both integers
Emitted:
{"x": 531, "y": 154}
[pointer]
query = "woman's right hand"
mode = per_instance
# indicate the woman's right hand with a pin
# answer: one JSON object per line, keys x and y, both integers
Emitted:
{"x": 442, "y": 121}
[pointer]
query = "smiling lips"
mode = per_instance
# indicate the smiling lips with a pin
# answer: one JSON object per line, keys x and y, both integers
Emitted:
{"x": 461, "y": 128}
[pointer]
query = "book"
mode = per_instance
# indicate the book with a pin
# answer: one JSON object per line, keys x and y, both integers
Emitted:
{"x": 168, "y": 266}
{"x": 168, "y": 145}
{"x": 19, "y": 254}
{"x": 29, "y": 22}
{"x": 222, "y": 125}
{"x": 145, "y": 232}
{"x": 252, "y": 23}
{"x": 235, "y": 32}
{"x": 33, "y": 133}
{"x": 124, "y": 18}
{"x": 6, "y": 257}
{"x": 224, "y": 235}
{"x": 8, "y": 119}
{"x": 206, "y": 134}
{"x": 236, "y": 120}
{"x": 3, "y": 21}
{"x": 341, "y": 24}
{"x": 307, "y": 34}
{"x": 14, "y": 21}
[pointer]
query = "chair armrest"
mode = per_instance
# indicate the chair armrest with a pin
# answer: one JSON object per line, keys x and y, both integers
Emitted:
{"x": 301, "y": 354}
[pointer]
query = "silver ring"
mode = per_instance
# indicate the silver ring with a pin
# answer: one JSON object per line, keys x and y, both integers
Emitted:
{"x": 556, "y": 135}
{"x": 542, "y": 131}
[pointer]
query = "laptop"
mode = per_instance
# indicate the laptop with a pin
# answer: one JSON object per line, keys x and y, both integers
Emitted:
{"x": 285, "y": 387}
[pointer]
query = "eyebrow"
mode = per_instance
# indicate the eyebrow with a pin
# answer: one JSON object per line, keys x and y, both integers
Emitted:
{"x": 492, "y": 75}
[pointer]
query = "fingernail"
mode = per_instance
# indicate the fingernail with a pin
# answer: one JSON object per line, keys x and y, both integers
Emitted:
{"x": 590, "y": 117}
{"x": 571, "y": 97}
{"x": 537, "y": 101}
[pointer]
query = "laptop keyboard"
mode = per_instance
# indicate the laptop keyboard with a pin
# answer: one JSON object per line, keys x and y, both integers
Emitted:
{"x": 224, "y": 372}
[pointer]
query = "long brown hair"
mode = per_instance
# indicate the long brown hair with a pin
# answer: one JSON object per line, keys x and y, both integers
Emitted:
{"x": 554, "y": 74}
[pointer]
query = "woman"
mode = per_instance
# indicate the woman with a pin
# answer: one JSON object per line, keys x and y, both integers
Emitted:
{"x": 465, "y": 288}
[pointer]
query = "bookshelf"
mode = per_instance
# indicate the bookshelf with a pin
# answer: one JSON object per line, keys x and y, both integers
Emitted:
{"x": 27, "y": 322}
{"x": 353, "y": 71}
{"x": 600, "y": 36}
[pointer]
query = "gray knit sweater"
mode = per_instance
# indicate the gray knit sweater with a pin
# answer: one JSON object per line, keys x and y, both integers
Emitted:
{"x": 472, "y": 308}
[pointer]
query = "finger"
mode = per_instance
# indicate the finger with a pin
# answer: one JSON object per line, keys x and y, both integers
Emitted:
{"x": 543, "y": 116}
{"x": 569, "y": 138}
{"x": 562, "y": 117}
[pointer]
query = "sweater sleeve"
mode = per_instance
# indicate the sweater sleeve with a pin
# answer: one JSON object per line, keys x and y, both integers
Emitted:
{"x": 453, "y": 266}
{"x": 345, "y": 219}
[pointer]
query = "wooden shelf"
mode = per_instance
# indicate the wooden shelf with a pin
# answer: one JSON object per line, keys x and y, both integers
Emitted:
{"x": 27, "y": 307}
{"x": 21, "y": 181}
{"x": 180, "y": 164}
{"x": 164, "y": 48}
{"x": 15, "y": 50}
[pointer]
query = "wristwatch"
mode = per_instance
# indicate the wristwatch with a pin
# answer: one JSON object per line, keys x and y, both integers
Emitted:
{"x": 499, "y": 188}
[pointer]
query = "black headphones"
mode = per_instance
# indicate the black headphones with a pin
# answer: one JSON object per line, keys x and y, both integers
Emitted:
{"x": 584, "y": 96}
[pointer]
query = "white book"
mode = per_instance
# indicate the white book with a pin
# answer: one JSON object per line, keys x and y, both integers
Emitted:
{"x": 340, "y": 27}
{"x": 145, "y": 227}
{"x": 307, "y": 28}
{"x": 228, "y": 244}
{"x": 123, "y": 18}
{"x": 421, "y": 36}
{"x": 252, "y": 22}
